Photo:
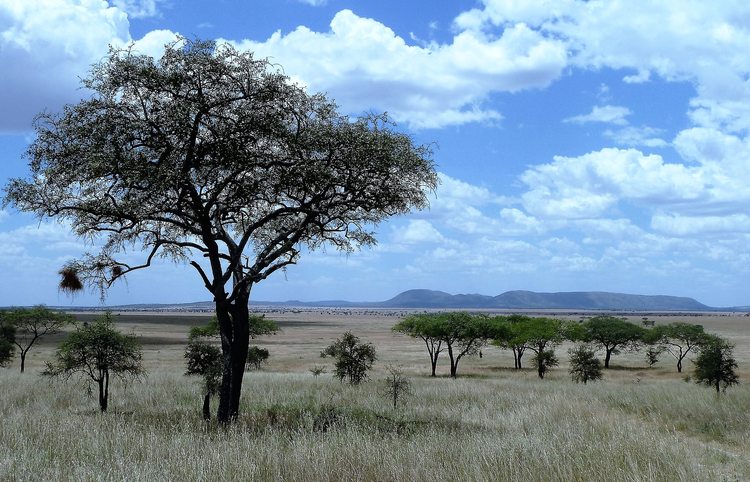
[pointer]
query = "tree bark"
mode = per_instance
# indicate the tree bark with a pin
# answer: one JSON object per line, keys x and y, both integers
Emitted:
{"x": 23, "y": 360}
{"x": 207, "y": 407}
{"x": 434, "y": 365}
{"x": 235, "y": 340}
{"x": 607, "y": 356}
{"x": 679, "y": 365}
{"x": 103, "y": 391}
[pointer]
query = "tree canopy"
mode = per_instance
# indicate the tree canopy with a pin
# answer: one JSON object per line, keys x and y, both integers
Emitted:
{"x": 678, "y": 339}
{"x": 715, "y": 365}
{"x": 215, "y": 158}
{"x": 31, "y": 324}
{"x": 612, "y": 334}
{"x": 96, "y": 352}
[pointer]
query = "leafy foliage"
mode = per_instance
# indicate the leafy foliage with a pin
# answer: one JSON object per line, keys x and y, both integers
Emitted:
{"x": 612, "y": 334}
{"x": 256, "y": 357}
{"x": 353, "y": 358}
{"x": 7, "y": 341}
{"x": 584, "y": 366}
{"x": 95, "y": 352}
{"x": 715, "y": 365}
{"x": 678, "y": 339}
{"x": 543, "y": 361}
{"x": 33, "y": 324}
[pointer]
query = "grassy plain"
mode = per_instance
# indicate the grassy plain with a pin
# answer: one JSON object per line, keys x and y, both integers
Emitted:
{"x": 492, "y": 423}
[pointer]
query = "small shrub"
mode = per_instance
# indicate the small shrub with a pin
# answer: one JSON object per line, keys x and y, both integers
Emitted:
{"x": 584, "y": 366}
{"x": 353, "y": 358}
{"x": 396, "y": 386}
{"x": 317, "y": 370}
{"x": 256, "y": 357}
{"x": 543, "y": 361}
{"x": 652, "y": 356}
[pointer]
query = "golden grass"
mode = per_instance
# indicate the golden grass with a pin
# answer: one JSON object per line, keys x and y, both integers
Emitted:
{"x": 492, "y": 423}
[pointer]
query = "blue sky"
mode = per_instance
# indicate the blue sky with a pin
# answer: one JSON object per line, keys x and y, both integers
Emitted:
{"x": 581, "y": 145}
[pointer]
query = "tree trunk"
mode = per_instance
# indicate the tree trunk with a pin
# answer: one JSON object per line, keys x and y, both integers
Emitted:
{"x": 679, "y": 365}
{"x": 23, "y": 360}
{"x": 453, "y": 362}
{"x": 540, "y": 370}
{"x": 235, "y": 340}
{"x": 607, "y": 356}
{"x": 207, "y": 407}
{"x": 104, "y": 391}
{"x": 520, "y": 355}
{"x": 434, "y": 365}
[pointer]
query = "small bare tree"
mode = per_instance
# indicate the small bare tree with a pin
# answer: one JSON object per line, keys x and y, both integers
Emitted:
{"x": 396, "y": 385}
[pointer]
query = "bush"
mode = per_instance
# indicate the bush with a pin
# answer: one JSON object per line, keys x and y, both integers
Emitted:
{"x": 353, "y": 359}
{"x": 715, "y": 365}
{"x": 256, "y": 357}
{"x": 543, "y": 361}
{"x": 396, "y": 386}
{"x": 584, "y": 366}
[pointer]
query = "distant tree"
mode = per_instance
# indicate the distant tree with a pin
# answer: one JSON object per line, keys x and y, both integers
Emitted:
{"x": 584, "y": 365}
{"x": 396, "y": 385}
{"x": 7, "y": 341}
{"x": 211, "y": 157}
{"x": 543, "y": 361}
{"x": 678, "y": 339}
{"x": 204, "y": 359}
{"x": 96, "y": 352}
{"x": 715, "y": 365}
{"x": 426, "y": 327}
{"x": 612, "y": 334}
{"x": 317, "y": 370}
{"x": 256, "y": 357}
{"x": 513, "y": 337}
{"x": 32, "y": 324}
{"x": 540, "y": 335}
{"x": 463, "y": 334}
{"x": 353, "y": 358}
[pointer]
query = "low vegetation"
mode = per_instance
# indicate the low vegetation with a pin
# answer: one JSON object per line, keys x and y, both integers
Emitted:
{"x": 635, "y": 423}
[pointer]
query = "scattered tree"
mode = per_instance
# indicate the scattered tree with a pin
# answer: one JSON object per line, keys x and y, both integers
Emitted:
{"x": 612, "y": 334}
{"x": 353, "y": 358}
{"x": 214, "y": 158}
{"x": 32, "y": 324}
{"x": 678, "y": 339}
{"x": 317, "y": 370}
{"x": 463, "y": 334}
{"x": 513, "y": 338}
{"x": 427, "y": 328}
{"x": 7, "y": 341}
{"x": 396, "y": 385}
{"x": 584, "y": 365}
{"x": 96, "y": 352}
{"x": 256, "y": 357}
{"x": 715, "y": 365}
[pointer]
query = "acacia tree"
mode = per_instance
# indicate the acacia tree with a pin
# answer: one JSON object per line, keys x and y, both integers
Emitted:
{"x": 427, "y": 328}
{"x": 97, "y": 352}
{"x": 679, "y": 339}
{"x": 32, "y": 324}
{"x": 463, "y": 334}
{"x": 513, "y": 337}
{"x": 612, "y": 334}
{"x": 215, "y": 158}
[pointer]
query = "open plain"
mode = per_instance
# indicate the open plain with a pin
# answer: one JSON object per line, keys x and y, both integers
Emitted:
{"x": 491, "y": 423}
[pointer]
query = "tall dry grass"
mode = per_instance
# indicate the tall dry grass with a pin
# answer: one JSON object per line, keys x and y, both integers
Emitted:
{"x": 509, "y": 426}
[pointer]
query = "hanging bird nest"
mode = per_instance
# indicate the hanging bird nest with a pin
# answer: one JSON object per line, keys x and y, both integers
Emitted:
{"x": 116, "y": 271}
{"x": 70, "y": 282}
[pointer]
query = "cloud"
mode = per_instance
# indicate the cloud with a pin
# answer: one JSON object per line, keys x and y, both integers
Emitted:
{"x": 678, "y": 40}
{"x": 418, "y": 231}
{"x": 632, "y": 136}
{"x": 137, "y": 8}
{"x": 314, "y": 3}
{"x": 46, "y": 46}
{"x": 364, "y": 65}
{"x": 608, "y": 114}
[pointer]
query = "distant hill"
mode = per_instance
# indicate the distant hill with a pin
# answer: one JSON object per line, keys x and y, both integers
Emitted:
{"x": 524, "y": 300}
{"x": 510, "y": 300}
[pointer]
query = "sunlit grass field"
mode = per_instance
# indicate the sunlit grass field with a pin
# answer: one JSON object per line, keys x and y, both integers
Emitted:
{"x": 492, "y": 423}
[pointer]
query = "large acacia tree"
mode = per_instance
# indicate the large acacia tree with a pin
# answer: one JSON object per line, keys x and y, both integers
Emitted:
{"x": 212, "y": 157}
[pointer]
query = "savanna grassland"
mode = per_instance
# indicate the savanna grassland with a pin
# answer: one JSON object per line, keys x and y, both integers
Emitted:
{"x": 492, "y": 423}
